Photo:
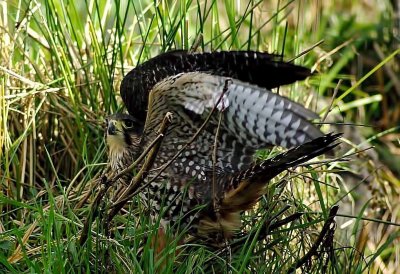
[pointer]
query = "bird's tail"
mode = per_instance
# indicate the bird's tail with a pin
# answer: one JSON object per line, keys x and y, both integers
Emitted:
{"x": 246, "y": 187}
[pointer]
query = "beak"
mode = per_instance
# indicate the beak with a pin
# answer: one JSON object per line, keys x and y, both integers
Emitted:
{"x": 111, "y": 128}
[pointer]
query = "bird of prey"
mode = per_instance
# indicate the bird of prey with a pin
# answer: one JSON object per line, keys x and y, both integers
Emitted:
{"x": 215, "y": 177}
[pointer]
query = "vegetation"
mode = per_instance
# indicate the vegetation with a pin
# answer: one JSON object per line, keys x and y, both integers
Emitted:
{"x": 61, "y": 63}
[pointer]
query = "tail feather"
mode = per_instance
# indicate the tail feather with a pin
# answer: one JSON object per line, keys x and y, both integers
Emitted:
{"x": 294, "y": 157}
{"x": 244, "y": 189}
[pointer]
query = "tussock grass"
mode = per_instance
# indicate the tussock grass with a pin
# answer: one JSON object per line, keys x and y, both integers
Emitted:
{"x": 61, "y": 64}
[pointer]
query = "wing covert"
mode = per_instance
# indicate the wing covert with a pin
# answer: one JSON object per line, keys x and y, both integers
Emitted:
{"x": 252, "y": 118}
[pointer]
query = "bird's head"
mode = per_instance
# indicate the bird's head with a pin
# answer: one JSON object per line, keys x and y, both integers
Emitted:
{"x": 123, "y": 134}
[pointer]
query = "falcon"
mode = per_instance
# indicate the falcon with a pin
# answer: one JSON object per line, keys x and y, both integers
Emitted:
{"x": 228, "y": 95}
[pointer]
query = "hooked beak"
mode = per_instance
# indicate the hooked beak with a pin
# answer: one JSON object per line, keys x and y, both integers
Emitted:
{"x": 111, "y": 130}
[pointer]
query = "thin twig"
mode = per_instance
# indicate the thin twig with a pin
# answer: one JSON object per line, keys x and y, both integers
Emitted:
{"x": 314, "y": 248}
{"x": 326, "y": 55}
{"x": 97, "y": 180}
{"x": 285, "y": 221}
{"x": 342, "y": 158}
{"x": 344, "y": 124}
{"x": 214, "y": 159}
{"x": 94, "y": 211}
{"x": 332, "y": 100}
{"x": 306, "y": 50}
{"x": 197, "y": 41}
{"x": 214, "y": 155}
{"x": 387, "y": 67}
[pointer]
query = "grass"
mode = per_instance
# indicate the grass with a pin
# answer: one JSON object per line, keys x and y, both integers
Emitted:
{"x": 60, "y": 69}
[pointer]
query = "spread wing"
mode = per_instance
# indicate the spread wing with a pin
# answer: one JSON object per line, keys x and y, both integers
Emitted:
{"x": 259, "y": 68}
{"x": 249, "y": 117}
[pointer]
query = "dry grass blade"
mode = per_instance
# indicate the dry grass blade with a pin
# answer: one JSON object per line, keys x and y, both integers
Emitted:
{"x": 18, "y": 253}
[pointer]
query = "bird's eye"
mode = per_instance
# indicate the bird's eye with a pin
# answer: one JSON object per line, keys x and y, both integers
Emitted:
{"x": 128, "y": 124}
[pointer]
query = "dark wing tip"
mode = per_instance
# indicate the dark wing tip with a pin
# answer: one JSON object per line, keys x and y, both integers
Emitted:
{"x": 332, "y": 137}
{"x": 259, "y": 68}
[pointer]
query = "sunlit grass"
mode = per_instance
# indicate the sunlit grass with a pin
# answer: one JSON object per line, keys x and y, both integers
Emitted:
{"x": 61, "y": 64}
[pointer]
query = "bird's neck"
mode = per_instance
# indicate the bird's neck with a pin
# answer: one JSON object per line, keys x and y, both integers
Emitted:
{"x": 122, "y": 157}
{"x": 122, "y": 154}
